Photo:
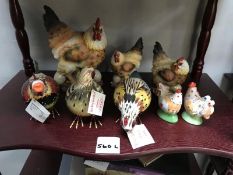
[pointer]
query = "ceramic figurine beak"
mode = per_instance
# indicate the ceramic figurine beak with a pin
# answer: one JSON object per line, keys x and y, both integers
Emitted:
{"x": 93, "y": 74}
{"x": 116, "y": 57}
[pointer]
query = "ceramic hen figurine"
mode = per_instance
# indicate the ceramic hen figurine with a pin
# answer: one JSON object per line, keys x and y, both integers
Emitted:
{"x": 42, "y": 88}
{"x": 197, "y": 107}
{"x": 168, "y": 71}
{"x": 132, "y": 97}
{"x": 124, "y": 64}
{"x": 170, "y": 101}
{"x": 73, "y": 49}
{"x": 78, "y": 97}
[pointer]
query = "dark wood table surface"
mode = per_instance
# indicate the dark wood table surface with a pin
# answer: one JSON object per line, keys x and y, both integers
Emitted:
{"x": 214, "y": 137}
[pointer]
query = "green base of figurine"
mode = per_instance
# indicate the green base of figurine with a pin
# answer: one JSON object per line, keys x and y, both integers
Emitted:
{"x": 192, "y": 119}
{"x": 171, "y": 118}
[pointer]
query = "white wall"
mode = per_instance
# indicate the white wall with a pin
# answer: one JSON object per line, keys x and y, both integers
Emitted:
{"x": 219, "y": 56}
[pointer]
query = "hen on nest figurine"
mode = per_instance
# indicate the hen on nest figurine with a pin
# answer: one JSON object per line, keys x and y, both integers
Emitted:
{"x": 170, "y": 101}
{"x": 124, "y": 64}
{"x": 78, "y": 97}
{"x": 42, "y": 88}
{"x": 73, "y": 49}
{"x": 197, "y": 107}
{"x": 132, "y": 96}
{"x": 168, "y": 71}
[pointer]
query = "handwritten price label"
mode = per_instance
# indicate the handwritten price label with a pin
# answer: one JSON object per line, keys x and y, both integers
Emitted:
{"x": 37, "y": 111}
{"x": 108, "y": 145}
{"x": 140, "y": 136}
{"x": 96, "y": 103}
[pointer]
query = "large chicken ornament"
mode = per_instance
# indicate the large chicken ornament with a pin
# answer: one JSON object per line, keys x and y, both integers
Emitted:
{"x": 124, "y": 64}
{"x": 42, "y": 88}
{"x": 168, "y": 71}
{"x": 78, "y": 97}
{"x": 197, "y": 107}
{"x": 170, "y": 101}
{"x": 132, "y": 96}
{"x": 73, "y": 49}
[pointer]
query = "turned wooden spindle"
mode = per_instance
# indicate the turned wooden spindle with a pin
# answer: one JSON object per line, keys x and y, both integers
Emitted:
{"x": 204, "y": 39}
{"x": 21, "y": 36}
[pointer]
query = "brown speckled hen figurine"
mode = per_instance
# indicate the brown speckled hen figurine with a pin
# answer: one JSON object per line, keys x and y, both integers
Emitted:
{"x": 168, "y": 71}
{"x": 78, "y": 97}
{"x": 124, "y": 64}
{"x": 74, "y": 50}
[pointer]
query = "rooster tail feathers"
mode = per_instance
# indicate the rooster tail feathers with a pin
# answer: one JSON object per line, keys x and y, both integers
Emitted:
{"x": 50, "y": 18}
{"x": 157, "y": 48}
{"x": 138, "y": 45}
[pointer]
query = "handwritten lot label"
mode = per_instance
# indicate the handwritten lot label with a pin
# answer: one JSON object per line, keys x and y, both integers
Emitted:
{"x": 108, "y": 145}
{"x": 139, "y": 136}
{"x": 96, "y": 103}
{"x": 37, "y": 111}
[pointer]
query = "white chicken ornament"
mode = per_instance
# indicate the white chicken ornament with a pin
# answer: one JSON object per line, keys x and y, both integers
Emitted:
{"x": 170, "y": 101}
{"x": 133, "y": 96}
{"x": 197, "y": 107}
{"x": 78, "y": 97}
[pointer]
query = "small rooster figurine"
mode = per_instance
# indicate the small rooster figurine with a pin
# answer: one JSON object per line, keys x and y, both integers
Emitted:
{"x": 166, "y": 70}
{"x": 124, "y": 64}
{"x": 132, "y": 97}
{"x": 42, "y": 88}
{"x": 74, "y": 50}
{"x": 78, "y": 96}
{"x": 170, "y": 101}
{"x": 196, "y": 106}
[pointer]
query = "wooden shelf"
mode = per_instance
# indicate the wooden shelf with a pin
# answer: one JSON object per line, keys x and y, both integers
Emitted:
{"x": 214, "y": 137}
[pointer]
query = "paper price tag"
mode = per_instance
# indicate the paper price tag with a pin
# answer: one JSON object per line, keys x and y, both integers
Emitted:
{"x": 108, "y": 145}
{"x": 102, "y": 166}
{"x": 96, "y": 103}
{"x": 37, "y": 111}
{"x": 139, "y": 136}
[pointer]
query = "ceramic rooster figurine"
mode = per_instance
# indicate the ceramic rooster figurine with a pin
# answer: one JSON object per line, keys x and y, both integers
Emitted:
{"x": 124, "y": 64}
{"x": 197, "y": 107}
{"x": 132, "y": 97}
{"x": 42, "y": 88}
{"x": 73, "y": 49}
{"x": 170, "y": 101}
{"x": 78, "y": 97}
{"x": 168, "y": 71}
